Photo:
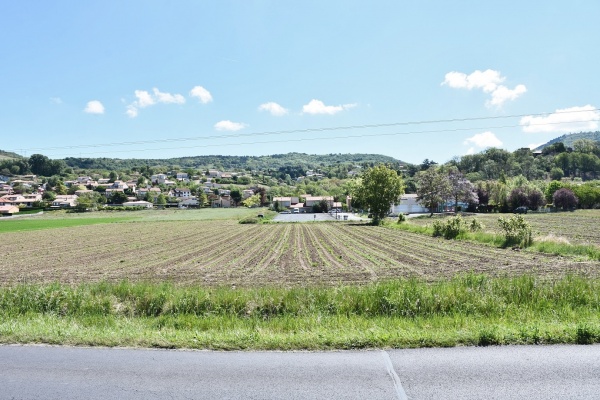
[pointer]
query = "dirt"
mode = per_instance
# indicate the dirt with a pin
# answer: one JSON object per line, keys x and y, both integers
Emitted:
{"x": 227, "y": 253}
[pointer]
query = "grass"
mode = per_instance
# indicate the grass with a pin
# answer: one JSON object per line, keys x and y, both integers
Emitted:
{"x": 62, "y": 219}
{"x": 547, "y": 245}
{"x": 466, "y": 310}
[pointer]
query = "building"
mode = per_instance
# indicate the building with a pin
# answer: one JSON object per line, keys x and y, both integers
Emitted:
{"x": 409, "y": 204}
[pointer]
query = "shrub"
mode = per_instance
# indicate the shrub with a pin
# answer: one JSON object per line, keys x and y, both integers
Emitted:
{"x": 564, "y": 198}
{"x": 517, "y": 231}
{"x": 401, "y": 218}
{"x": 449, "y": 229}
{"x": 249, "y": 220}
{"x": 476, "y": 225}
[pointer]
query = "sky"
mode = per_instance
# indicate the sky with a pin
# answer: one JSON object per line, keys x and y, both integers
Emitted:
{"x": 411, "y": 80}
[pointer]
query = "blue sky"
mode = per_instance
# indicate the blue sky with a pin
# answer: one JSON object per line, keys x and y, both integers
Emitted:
{"x": 157, "y": 79}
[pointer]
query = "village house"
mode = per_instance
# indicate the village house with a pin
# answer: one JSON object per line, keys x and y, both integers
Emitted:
{"x": 247, "y": 193}
{"x": 182, "y": 177}
{"x": 213, "y": 173}
{"x": 221, "y": 202}
{"x": 138, "y": 203}
{"x": 64, "y": 201}
{"x": 310, "y": 201}
{"x": 286, "y": 202}
{"x": 25, "y": 200}
{"x": 180, "y": 192}
{"x": 8, "y": 210}
{"x": 158, "y": 178}
{"x": 409, "y": 204}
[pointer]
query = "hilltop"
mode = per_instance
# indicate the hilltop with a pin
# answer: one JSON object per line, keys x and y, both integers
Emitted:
{"x": 276, "y": 161}
{"x": 7, "y": 155}
{"x": 570, "y": 138}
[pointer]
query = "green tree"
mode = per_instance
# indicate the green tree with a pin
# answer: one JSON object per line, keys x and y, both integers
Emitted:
{"x": 433, "y": 188}
{"x": 236, "y": 196}
{"x": 118, "y": 198}
{"x": 252, "y": 201}
{"x": 161, "y": 200}
{"x": 378, "y": 190}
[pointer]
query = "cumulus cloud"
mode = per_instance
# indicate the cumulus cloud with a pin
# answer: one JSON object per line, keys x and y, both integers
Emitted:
{"x": 94, "y": 107}
{"x": 573, "y": 119}
{"x": 273, "y": 108}
{"x": 489, "y": 81}
{"x": 227, "y": 125}
{"x": 318, "y": 107}
{"x": 482, "y": 141}
{"x": 202, "y": 94}
{"x": 56, "y": 100}
{"x": 168, "y": 98}
{"x": 146, "y": 99}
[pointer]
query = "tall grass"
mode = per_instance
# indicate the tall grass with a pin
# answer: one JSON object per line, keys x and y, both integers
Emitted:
{"x": 469, "y": 309}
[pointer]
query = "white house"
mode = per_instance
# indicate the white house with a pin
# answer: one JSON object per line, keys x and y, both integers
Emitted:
{"x": 158, "y": 178}
{"x": 64, "y": 201}
{"x": 139, "y": 203}
{"x": 409, "y": 205}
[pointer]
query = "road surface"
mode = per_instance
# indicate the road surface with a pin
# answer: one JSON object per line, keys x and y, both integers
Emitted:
{"x": 511, "y": 372}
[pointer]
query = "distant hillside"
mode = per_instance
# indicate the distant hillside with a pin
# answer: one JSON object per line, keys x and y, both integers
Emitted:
{"x": 570, "y": 138}
{"x": 7, "y": 154}
{"x": 276, "y": 161}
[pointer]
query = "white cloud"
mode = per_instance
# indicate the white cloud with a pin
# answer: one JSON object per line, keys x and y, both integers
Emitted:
{"x": 318, "y": 107}
{"x": 470, "y": 151}
{"x": 489, "y": 81}
{"x": 56, "y": 100}
{"x": 144, "y": 99}
{"x": 573, "y": 119}
{"x": 202, "y": 94}
{"x": 483, "y": 140}
{"x": 94, "y": 107}
{"x": 132, "y": 111}
{"x": 229, "y": 126}
{"x": 273, "y": 108}
{"x": 502, "y": 94}
{"x": 167, "y": 98}
{"x": 147, "y": 99}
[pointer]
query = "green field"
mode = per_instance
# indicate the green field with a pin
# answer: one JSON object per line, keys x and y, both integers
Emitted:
{"x": 63, "y": 219}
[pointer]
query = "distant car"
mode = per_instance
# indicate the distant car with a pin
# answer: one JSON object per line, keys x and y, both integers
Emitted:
{"x": 521, "y": 210}
{"x": 296, "y": 211}
{"x": 285, "y": 212}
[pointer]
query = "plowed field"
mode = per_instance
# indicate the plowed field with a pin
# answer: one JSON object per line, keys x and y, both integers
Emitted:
{"x": 225, "y": 252}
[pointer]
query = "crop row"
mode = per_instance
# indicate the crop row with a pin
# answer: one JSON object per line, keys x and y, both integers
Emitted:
{"x": 227, "y": 253}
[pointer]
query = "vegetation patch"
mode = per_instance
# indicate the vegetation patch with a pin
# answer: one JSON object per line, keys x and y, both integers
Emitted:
{"x": 465, "y": 310}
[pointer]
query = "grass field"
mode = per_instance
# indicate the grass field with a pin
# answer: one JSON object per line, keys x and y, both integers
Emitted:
{"x": 199, "y": 279}
{"x": 578, "y": 227}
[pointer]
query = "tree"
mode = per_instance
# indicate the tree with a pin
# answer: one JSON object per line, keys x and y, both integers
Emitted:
{"x": 252, "y": 201}
{"x": 432, "y": 188}
{"x": 461, "y": 189}
{"x": 89, "y": 201}
{"x": 118, "y": 198}
{"x": 379, "y": 189}
{"x": 161, "y": 200}
{"x": 236, "y": 196}
{"x": 564, "y": 198}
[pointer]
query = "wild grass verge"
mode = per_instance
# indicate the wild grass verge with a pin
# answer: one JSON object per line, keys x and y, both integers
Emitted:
{"x": 466, "y": 310}
{"x": 589, "y": 252}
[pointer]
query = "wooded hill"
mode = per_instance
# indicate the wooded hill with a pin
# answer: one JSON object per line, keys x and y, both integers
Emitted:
{"x": 299, "y": 161}
{"x": 570, "y": 138}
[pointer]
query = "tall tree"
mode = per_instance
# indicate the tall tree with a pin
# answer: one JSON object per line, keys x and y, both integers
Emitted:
{"x": 432, "y": 188}
{"x": 380, "y": 187}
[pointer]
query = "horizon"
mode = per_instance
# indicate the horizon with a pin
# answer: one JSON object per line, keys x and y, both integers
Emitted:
{"x": 153, "y": 81}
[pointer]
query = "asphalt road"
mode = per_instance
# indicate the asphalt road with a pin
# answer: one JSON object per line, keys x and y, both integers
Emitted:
{"x": 512, "y": 372}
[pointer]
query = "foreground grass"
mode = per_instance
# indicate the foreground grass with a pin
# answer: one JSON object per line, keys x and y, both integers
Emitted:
{"x": 467, "y": 310}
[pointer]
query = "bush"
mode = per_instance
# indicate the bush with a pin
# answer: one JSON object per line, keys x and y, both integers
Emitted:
{"x": 476, "y": 225}
{"x": 449, "y": 229}
{"x": 401, "y": 218}
{"x": 249, "y": 220}
{"x": 517, "y": 231}
{"x": 564, "y": 198}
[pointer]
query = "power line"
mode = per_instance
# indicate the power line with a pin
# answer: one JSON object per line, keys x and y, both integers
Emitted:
{"x": 307, "y": 130}
{"x": 324, "y": 138}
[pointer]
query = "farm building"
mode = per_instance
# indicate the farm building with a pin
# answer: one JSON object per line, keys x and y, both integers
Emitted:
{"x": 409, "y": 205}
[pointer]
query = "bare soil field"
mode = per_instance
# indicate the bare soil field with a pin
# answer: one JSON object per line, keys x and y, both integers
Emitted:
{"x": 227, "y": 253}
{"x": 578, "y": 227}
